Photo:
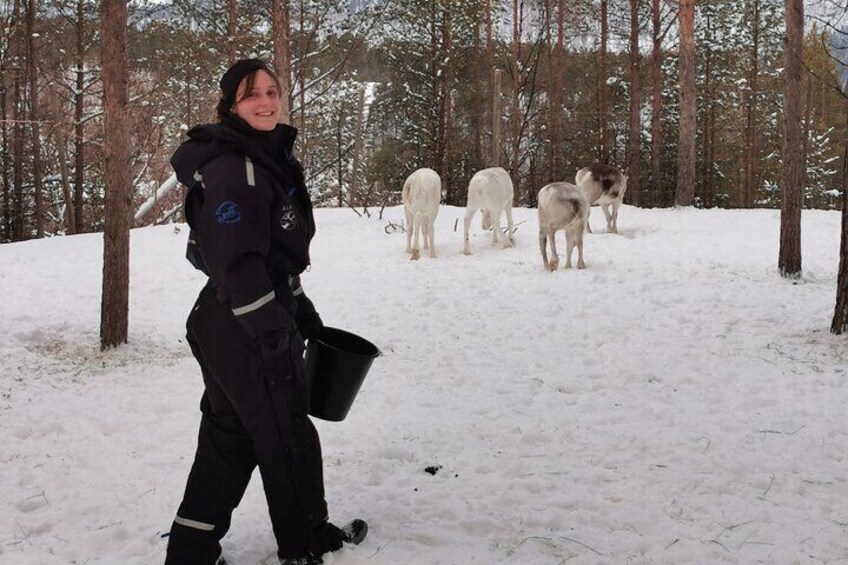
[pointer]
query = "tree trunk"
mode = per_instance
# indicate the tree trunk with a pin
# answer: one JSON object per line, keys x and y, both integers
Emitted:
{"x": 792, "y": 172}
{"x": 494, "y": 88}
{"x": 751, "y": 131}
{"x": 634, "y": 141}
{"x": 281, "y": 29}
{"x": 188, "y": 91}
{"x": 808, "y": 200}
{"x": 840, "y": 314}
{"x": 447, "y": 118}
{"x": 706, "y": 161}
{"x": 18, "y": 224}
{"x": 515, "y": 122}
{"x": 496, "y": 118}
{"x": 558, "y": 166}
{"x": 15, "y": 218}
{"x": 478, "y": 112}
{"x": 340, "y": 154}
{"x": 656, "y": 104}
{"x": 303, "y": 138}
{"x": 116, "y": 237}
{"x": 79, "y": 128}
{"x": 232, "y": 30}
{"x": 7, "y": 159}
{"x": 435, "y": 72}
{"x": 686, "y": 144}
{"x": 710, "y": 187}
{"x": 603, "y": 112}
{"x": 32, "y": 76}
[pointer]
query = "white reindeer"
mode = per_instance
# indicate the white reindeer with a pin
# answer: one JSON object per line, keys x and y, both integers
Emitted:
{"x": 490, "y": 191}
{"x": 604, "y": 186}
{"x": 562, "y": 206}
{"x": 422, "y": 192}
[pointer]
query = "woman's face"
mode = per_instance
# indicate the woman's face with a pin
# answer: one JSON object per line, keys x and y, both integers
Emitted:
{"x": 260, "y": 107}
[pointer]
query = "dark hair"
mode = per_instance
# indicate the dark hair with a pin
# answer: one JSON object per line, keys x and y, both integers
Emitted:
{"x": 244, "y": 69}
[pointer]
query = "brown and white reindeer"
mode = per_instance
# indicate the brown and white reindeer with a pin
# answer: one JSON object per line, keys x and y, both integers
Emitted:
{"x": 491, "y": 192}
{"x": 604, "y": 186}
{"x": 422, "y": 193}
{"x": 562, "y": 206}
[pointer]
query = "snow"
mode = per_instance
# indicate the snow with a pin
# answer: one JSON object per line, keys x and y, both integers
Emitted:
{"x": 675, "y": 402}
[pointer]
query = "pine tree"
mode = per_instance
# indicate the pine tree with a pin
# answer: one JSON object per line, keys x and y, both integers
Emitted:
{"x": 116, "y": 238}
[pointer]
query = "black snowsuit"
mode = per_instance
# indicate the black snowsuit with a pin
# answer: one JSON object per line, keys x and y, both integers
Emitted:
{"x": 251, "y": 221}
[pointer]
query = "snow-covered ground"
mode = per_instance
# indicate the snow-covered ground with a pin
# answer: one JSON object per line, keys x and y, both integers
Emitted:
{"x": 675, "y": 402}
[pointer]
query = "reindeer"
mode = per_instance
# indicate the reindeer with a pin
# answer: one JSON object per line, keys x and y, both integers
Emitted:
{"x": 562, "y": 206}
{"x": 604, "y": 186}
{"x": 422, "y": 192}
{"x": 490, "y": 191}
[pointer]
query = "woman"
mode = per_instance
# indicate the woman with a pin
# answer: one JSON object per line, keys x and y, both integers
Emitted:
{"x": 251, "y": 223}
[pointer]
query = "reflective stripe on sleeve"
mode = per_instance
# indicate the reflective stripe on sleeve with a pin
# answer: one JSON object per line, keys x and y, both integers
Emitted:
{"x": 295, "y": 286}
{"x": 194, "y": 524}
{"x": 251, "y": 178}
{"x": 256, "y": 305}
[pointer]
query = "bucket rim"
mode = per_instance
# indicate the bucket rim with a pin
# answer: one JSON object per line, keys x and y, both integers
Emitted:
{"x": 365, "y": 347}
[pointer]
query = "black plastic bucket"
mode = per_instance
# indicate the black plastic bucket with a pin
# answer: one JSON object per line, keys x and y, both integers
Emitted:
{"x": 336, "y": 364}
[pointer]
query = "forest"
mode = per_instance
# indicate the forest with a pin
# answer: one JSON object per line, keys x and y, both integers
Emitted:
{"x": 378, "y": 89}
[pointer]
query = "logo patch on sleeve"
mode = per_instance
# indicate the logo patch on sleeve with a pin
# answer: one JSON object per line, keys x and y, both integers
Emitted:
{"x": 288, "y": 220}
{"x": 228, "y": 213}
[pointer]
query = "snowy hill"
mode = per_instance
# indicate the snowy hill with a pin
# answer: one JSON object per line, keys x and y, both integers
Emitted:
{"x": 676, "y": 402}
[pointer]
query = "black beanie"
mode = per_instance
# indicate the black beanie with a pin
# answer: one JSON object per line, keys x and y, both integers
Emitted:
{"x": 232, "y": 78}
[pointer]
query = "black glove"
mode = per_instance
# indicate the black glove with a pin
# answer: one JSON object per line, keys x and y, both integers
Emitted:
{"x": 308, "y": 321}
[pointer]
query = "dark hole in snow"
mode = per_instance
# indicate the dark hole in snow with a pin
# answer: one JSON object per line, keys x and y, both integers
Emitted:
{"x": 432, "y": 469}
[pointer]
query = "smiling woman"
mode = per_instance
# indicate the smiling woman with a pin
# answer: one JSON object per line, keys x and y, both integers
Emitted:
{"x": 258, "y": 101}
{"x": 251, "y": 225}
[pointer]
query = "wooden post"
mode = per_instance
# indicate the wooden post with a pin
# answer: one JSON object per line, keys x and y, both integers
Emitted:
{"x": 63, "y": 162}
{"x": 357, "y": 152}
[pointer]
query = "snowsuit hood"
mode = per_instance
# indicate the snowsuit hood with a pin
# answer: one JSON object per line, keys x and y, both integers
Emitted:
{"x": 267, "y": 149}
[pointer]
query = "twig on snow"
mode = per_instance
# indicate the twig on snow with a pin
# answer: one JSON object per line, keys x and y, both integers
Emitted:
{"x": 381, "y": 547}
{"x": 768, "y": 488}
{"x": 592, "y": 549}
{"x": 779, "y": 432}
{"x": 721, "y": 545}
{"x": 392, "y": 227}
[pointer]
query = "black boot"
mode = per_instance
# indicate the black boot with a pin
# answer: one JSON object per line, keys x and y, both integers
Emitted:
{"x": 328, "y": 537}
{"x": 355, "y": 531}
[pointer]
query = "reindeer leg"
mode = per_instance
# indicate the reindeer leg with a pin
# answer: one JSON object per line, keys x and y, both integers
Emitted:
{"x": 578, "y": 236}
{"x": 408, "y": 231}
{"x": 469, "y": 215}
{"x": 416, "y": 254}
{"x": 610, "y": 225}
{"x": 543, "y": 244}
{"x": 615, "y": 216}
{"x": 554, "y": 263}
{"x": 569, "y": 248}
{"x": 510, "y": 240}
{"x": 431, "y": 232}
